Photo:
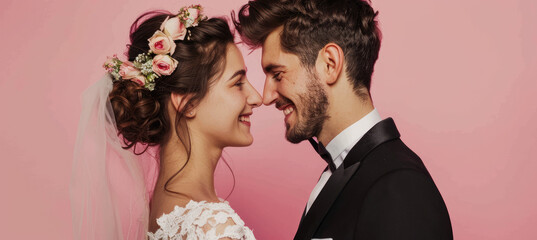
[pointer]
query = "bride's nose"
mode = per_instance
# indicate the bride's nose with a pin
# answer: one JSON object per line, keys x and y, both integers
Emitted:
{"x": 254, "y": 98}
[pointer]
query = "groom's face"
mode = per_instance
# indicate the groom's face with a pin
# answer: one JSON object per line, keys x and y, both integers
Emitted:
{"x": 294, "y": 89}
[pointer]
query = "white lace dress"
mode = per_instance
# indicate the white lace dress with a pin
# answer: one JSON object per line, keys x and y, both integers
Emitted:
{"x": 202, "y": 220}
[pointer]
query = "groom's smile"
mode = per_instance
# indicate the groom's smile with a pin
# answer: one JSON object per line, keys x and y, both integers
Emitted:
{"x": 287, "y": 111}
{"x": 286, "y": 108}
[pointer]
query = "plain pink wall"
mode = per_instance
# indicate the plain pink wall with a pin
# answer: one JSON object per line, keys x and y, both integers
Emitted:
{"x": 459, "y": 78}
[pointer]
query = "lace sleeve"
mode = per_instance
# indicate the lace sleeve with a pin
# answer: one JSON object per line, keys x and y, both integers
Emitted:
{"x": 224, "y": 225}
{"x": 201, "y": 220}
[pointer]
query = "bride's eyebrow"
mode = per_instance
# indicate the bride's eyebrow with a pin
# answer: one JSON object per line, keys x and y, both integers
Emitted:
{"x": 237, "y": 73}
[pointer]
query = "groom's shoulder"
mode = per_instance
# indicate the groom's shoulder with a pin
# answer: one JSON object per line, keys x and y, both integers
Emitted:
{"x": 391, "y": 161}
{"x": 392, "y": 155}
{"x": 396, "y": 176}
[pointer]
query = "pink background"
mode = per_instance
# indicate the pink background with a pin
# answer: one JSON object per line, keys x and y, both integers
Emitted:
{"x": 459, "y": 78}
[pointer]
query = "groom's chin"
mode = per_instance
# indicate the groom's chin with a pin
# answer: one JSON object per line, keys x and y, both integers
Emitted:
{"x": 294, "y": 140}
{"x": 292, "y": 137}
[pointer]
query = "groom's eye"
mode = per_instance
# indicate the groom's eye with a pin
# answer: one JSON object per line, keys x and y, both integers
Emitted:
{"x": 277, "y": 76}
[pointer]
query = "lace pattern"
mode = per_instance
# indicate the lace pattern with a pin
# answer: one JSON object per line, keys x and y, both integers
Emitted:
{"x": 201, "y": 220}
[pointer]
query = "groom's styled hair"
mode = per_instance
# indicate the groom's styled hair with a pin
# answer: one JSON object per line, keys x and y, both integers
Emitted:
{"x": 308, "y": 25}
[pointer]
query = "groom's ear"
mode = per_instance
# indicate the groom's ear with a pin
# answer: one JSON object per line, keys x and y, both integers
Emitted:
{"x": 330, "y": 63}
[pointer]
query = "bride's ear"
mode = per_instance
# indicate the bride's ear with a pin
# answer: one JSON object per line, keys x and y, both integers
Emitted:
{"x": 180, "y": 101}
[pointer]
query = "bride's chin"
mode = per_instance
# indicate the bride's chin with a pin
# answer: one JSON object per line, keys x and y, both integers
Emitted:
{"x": 249, "y": 143}
{"x": 244, "y": 141}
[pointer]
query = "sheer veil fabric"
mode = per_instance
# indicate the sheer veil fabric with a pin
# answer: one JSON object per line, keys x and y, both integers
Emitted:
{"x": 110, "y": 187}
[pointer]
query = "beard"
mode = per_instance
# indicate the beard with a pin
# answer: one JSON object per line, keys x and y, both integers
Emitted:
{"x": 312, "y": 114}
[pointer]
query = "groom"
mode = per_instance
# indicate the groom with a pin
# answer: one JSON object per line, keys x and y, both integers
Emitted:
{"x": 318, "y": 57}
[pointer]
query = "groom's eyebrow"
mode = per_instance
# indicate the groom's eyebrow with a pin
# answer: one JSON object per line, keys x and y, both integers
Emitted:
{"x": 269, "y": 68}
{"x": 237, "y": 73}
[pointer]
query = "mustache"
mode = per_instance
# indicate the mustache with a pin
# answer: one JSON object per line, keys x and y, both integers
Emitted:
{"x": 282, "y": 101}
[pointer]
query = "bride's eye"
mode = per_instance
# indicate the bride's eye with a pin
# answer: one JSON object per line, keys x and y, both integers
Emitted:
{"x": 239, "y": 83}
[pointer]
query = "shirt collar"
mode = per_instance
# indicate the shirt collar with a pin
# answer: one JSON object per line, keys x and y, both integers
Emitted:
{"x": 346, "y": 139}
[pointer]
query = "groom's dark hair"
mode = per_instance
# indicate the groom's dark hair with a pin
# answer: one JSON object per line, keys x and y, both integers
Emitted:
{"x": 308, "y": 25}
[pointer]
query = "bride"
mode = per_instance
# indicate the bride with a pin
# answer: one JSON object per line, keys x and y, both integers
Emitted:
{"x": 152, "y": 132}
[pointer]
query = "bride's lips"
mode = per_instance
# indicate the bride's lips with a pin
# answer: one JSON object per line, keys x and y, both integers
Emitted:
{"x": 245, "y": 119}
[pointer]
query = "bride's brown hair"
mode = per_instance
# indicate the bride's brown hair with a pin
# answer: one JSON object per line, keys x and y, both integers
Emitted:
{"x": 141, "y": 115}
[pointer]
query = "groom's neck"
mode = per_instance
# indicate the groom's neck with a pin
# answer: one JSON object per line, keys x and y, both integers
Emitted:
{"x": 345, "y": 108}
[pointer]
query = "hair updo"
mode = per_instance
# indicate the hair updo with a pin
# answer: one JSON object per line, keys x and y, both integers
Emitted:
{"x": 141, "y": 115}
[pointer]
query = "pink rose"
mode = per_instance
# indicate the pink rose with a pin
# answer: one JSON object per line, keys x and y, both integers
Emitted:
{"x": 110, "y": 63}
{"x": 128, "y": 71}
{"x": 164, "y": 64}
{"x": 160, "y": 43}
{"x": 194, "y": 13}
{"x": 140, "y": 79}
{"x": 174, "y": 28}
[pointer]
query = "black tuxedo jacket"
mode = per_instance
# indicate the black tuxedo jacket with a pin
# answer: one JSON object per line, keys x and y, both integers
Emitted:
{"x": 381, "y": 191}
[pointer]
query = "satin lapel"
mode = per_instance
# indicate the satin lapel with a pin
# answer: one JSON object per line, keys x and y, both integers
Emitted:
{"x": 303, "y": 215}
{"x": 383, "y": 131}
{"x": 304, "y": 212}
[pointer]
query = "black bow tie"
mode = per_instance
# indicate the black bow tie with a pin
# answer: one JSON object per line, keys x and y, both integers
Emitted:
{"x": 325, "y": 155}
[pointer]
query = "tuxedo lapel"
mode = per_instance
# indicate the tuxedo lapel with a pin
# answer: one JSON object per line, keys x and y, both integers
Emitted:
{"x": 322, "y": 203}
{"x": 306, "y": 207}
{"x": 303, "y": 215}
{"x": 383, "y": 131}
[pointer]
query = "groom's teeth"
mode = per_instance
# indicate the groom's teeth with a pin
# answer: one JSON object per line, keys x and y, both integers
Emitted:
{"x": 288, "y": 110}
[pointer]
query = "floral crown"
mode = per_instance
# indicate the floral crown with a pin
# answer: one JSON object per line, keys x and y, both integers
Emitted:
{"x": 157, "y": 61}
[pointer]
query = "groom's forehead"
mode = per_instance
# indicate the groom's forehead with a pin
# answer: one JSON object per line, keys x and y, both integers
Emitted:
{"x": 271, "y": 49}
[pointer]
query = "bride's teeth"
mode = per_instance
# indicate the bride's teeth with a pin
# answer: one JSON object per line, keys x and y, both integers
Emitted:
{"x": 244, "y": 119}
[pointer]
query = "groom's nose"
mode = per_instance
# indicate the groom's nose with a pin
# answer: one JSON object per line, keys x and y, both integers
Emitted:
{"x": 270, "y": 93}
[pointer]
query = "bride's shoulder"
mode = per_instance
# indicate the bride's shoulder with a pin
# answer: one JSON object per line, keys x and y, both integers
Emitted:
{"x": 210, "y": 220}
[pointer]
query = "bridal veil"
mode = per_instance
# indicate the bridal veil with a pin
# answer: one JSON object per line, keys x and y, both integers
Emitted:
{"x": 111, "y": 187}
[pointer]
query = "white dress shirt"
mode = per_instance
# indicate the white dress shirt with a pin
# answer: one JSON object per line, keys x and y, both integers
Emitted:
{"x": 340, "y": 146}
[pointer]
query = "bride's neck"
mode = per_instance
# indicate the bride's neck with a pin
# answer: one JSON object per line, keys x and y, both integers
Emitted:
{"x": 196, "y": 180}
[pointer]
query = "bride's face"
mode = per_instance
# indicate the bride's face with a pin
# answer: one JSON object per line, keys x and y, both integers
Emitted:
{"x": 223, "y": 115}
